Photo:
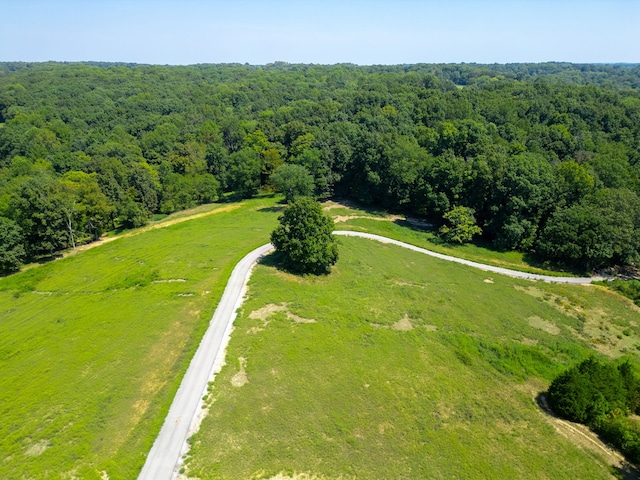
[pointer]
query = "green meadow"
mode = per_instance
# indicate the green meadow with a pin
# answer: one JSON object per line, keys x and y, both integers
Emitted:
{"x": 398, "y": 365}
{"x": 93, "y": 346}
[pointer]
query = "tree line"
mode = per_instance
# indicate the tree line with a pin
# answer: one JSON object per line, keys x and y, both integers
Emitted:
{"x": 542, "y": 158}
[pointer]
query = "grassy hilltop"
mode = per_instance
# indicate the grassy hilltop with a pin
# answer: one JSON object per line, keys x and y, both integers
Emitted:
{"x": 396, "y": 365}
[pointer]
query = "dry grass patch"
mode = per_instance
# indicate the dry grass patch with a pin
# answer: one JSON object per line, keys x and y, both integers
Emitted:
{"x": 542, "y": 324}
{"x": 266, "y": 312}
{"x": 409, "y": 284}
{"x": 403, "y": 325}
{"x": 37, "y": 448}
{"x": 597, "y": 325}
{"x": 298, "y": 319}
{"x": 240, "y": 379}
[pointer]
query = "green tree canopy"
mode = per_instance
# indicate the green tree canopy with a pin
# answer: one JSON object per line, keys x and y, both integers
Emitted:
{"x": 589, "y": 391}
{"x": 460, "y": 226}
{"x": 12, "y": 252}
{"x": 292, "y": 180}
{"x": 303, "y": 239}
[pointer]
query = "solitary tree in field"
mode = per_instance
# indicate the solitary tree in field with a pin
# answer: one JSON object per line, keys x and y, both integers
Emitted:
{"x": 303, "y": 239}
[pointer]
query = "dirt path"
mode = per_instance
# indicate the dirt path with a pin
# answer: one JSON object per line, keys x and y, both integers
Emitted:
{"x": 378, "y": 216}
{"x": 180, "y": 217}
{"x": 154, "y": 226}
{"x": 187, "y": 409}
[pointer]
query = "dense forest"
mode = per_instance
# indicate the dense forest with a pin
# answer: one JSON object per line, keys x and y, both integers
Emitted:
{"x": 544, "y": 158}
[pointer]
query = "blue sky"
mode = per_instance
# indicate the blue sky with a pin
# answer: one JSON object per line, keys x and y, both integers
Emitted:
{"x": 363, "y": 32}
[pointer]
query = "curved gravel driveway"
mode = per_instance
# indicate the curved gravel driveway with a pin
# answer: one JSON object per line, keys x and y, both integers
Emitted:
{"x": 164, "y": 459}
{"x": 481, "y": 266}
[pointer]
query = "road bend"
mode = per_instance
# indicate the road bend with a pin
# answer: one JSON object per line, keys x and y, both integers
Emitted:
{"x": 481, "y": 266}
{"x": 165, "y": 457}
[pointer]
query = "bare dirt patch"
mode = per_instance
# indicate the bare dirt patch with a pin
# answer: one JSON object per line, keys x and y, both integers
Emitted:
{"x": 430, "y": 328}
{"x": 298, "y": 319}
{"x": 403, "y": 324}
{"x": 488, "y": 280}
{"x": 265, "y": 312}
{"x": 542, "y": 324}
{"x": 240, "y": 378}
{"x": 37, "y": 448}
{"x": 171, "y": 280}
{"x": 346, "y": 218}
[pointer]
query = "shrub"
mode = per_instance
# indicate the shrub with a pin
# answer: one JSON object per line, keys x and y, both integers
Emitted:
{"x": 589, "y": 392}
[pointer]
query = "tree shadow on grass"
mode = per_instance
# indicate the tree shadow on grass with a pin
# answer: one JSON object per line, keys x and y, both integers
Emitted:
{"x": 274, "y": 260}
{"x": 270, "y": 260}
{"x": 415, "y": 224}
{"x": 537, "y": 262}
{"x": 271, "y": 209}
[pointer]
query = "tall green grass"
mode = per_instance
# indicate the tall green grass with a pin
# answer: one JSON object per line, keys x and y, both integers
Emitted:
{"x": 93, "y": 347}
{"x": 349, "y": 396}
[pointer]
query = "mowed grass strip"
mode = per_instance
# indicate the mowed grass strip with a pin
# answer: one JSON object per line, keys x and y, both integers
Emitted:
{"x": 93, "y": 347}
{"x": 426, "y": 237}
{"x": 398, "y": 365}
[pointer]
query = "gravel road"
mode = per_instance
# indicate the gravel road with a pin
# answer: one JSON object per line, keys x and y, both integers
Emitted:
{"x": 481, "y": 266}
{"x": 164, "y": 459}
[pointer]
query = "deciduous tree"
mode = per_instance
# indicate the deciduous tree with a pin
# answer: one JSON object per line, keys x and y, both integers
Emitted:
{"x": 460, "y": 225}
{"x": 303, "y": 240}
{"x": 293, "y": 181}
{"x": 12, "y": 252}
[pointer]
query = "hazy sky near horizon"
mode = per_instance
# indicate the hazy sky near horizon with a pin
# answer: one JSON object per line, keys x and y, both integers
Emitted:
{"x": 325, "y": 32}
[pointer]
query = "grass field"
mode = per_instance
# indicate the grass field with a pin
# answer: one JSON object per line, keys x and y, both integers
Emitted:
{"x": 393, "y": 226}
{"x": 411, "y": 368}
{"x": 93, "y": 346}
{"x": 398, "y": 365}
